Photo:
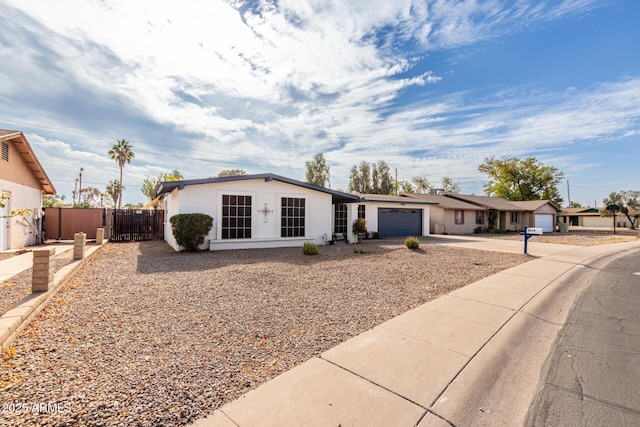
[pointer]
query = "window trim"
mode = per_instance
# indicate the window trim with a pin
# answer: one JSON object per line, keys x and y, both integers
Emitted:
{"x": 338, "y": 227}
{"x": 456, "y": 220}
{"x": 517, "y": 221}
{"x": 480, "y": 220}
{"x": 362, "y": 212}
{"x": 296, "y": 222}
{"x": 247, "y": 231}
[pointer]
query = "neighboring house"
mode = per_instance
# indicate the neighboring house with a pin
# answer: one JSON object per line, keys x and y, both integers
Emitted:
{"x": 540, "y": 213}
{"x": 452, "y": 216}
{"x": 394, "y": 216}
{"x": 24, "y": 181}
{"x": 590, "y": 217}
{"x": 256, "y": 211}
{"x": 510, "y": 217}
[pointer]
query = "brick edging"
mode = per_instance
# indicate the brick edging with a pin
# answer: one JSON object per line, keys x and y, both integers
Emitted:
{"x": 14, "y": 321}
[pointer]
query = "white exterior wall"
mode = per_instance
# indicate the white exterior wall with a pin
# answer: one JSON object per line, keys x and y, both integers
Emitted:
{"x": 19, "y": 231}
{"x": 371, "y": 213}
{"x": 207, "y": 199}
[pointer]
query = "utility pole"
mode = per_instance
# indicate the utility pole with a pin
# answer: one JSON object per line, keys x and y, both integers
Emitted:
{"x": 396, "y": 181}
{"x": 75, "y": 188}
{"x": 568, "y": 194}
{"x": 80, "y": 191}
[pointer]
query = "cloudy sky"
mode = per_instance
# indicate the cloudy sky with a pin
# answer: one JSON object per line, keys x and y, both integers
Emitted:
{"x": 432, "y": 87}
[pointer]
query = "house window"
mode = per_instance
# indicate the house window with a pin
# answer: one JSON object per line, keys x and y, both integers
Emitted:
{"x": 514, "y": 217}
{"x": 479, "y": 217}
{"x": 459, "y": 217}
{"x": 5, "y": 151}
{"x": 361, "y": 212}
{"x": 236, "y": 217}
{"x": 293, "y": 217}
{"x": 340, "y": 219}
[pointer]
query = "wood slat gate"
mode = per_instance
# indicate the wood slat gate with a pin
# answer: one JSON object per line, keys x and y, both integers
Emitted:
{"x": 129, "y": 225}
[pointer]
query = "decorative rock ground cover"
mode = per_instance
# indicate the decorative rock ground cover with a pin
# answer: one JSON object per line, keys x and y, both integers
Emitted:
{"x": 145, "y": 336}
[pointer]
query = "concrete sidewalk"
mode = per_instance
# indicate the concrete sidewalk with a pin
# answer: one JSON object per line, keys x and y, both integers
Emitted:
{"x": 473, "y": 357}
{"x": 18, "y": 263}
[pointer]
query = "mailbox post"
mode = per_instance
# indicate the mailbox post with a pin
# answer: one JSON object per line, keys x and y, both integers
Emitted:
{"x": 528, "y": 232}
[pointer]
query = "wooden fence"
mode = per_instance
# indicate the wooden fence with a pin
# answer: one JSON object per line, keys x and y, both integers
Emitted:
{"x": 120, "y": 225}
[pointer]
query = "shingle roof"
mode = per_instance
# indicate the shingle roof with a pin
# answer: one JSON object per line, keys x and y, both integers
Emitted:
{"x": 390, "y": 198}
{"x": 20, "y": 142}
{"x": 534, "y": 205}
{"x": 495, "y": 203}
{"x": 445, "y": 202}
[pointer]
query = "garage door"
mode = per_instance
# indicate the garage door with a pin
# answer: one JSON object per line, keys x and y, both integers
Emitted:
{"x": 394, "y": 222}
{"x": 545, "y": 222}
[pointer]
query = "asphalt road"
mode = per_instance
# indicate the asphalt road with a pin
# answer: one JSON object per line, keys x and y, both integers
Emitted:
{"x": 593, "y": 376}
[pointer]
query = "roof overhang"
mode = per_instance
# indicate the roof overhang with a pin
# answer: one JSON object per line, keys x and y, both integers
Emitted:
{"x": 21, "y": 144}
{"x": 337, "y": 197}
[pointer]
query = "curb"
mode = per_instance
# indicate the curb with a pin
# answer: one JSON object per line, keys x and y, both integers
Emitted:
{"x": 14, "y": 321}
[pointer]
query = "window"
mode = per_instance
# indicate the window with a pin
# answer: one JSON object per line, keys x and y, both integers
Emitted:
{"x": 514, "y": 217}
{"x": 5, "y": 151}
{"x": 236, "y": 217}
{"x": 292, "y": 218}
{"x": 340, "y": 219}
{"x": 361, "y": 212}
{"x": 479, "y": 217}
{"x": 459, "y": 217}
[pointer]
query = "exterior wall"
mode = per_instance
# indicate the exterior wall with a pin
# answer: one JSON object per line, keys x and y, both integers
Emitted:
{"x": 444, "y": 221}
{"x": 265, "y": 232}
{"x": 603, "y": 221}
{"x": 19, "y": 231}
{"x": 504, "y": 222}
{"x": 371, "y": 213}
{"x": 17, "y": 171}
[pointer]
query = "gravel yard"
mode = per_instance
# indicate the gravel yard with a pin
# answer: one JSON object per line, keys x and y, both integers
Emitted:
{"x": 145, "y": 336}
{"x": 580, "y": 239}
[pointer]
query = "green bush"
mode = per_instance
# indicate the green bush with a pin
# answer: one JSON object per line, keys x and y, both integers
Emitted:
{"x": 375, "y": 235}
{"x": 359, "y": 226}
{"x": 478, "y": 230}
{"x": 358, "y": 250}
{"x": 310, "y": 248}
{"x": 190, "y": 229}
{"x": 412, "y": 242}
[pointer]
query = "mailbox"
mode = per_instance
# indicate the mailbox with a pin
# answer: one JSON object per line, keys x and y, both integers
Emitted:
{"x": 533, "y": 230}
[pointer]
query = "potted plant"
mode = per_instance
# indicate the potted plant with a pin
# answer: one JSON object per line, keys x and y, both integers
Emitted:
{"x": 359, "y": 228}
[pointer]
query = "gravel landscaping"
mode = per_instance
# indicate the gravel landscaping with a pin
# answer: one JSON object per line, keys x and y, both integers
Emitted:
{"x": 13, "y": 290}
{"x": 144, "y": 336}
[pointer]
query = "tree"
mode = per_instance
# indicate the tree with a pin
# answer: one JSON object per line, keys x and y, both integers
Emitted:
{"x": 450, "y": 186}
{"x": 371, "y": 179}
{"x": 629, "y": 202}
{"x": 422, "y": 185}
{"x": 516, "y": 179}
{"x": 318, "y": 171}
{"x": 89, "y": 197}
{"x": 231, "y": 172}
{"x": 14, "y": 212}
{"x": 122, "y": 153}
{"x": 406, "y": 187}
{"x": 149, "y": 184}
{"x": 575, "y": 205}
{"x": 53, "y": 201}
{"x": 114, "y": 190}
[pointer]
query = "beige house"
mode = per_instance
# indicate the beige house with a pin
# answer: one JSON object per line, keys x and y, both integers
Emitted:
{"x": 23, "y": 181}
{"x": 590, "y": 217}
{"x": 452, "y": 216}
{"x": 540, "y": 213}
{"x": 509, "y": 217}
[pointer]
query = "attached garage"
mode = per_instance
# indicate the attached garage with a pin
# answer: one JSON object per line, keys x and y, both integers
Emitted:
{"x": 545, "y": 221}
{"x": 399, "y": 222}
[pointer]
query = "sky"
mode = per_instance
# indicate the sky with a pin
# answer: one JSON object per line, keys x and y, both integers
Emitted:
{"x": 431, "y": 87}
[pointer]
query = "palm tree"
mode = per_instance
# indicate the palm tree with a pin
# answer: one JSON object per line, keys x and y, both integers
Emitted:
{"x": 122, "y": 153}
{"x": 114, "y": 189}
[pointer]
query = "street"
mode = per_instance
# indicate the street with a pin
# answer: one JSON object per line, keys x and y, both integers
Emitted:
{"x": 594, "y": 369}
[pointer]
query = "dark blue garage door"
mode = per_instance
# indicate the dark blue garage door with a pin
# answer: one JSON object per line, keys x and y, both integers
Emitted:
{"x": 394, "y": 222}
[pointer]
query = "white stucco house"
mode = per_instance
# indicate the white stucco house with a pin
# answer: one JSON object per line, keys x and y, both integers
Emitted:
{"x": 254, "y": 211}
{"x": 268, "y": 210}
{"x": 23, "y": 181}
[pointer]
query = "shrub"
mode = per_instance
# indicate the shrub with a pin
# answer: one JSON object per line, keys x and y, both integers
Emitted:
{"x": 190, "y": 229}
{"x": 358, "y": 250}
{"x": 359, "y": 226}
{"x": 375, "y": 235}
{"x": 478, "y": 230}
{"x": 310, "y": 248}
{"x": 412, "y": 242}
